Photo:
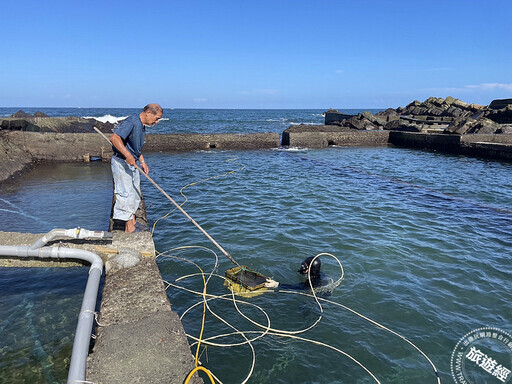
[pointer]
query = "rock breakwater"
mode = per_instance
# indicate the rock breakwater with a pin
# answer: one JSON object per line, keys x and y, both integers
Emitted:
{"x": 434, "y": 115}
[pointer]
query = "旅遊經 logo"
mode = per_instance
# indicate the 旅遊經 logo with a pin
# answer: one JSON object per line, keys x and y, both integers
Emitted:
{"x": 483, "y": 355}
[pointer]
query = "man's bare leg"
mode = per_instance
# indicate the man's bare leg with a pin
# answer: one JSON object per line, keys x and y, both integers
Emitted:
{"x": 130, "y": 225}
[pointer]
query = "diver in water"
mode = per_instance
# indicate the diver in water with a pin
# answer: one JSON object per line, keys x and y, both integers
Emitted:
{"x": 313, "y": 269}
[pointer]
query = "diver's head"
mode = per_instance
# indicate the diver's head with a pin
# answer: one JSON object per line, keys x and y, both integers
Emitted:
{"x": 315, "y": 267}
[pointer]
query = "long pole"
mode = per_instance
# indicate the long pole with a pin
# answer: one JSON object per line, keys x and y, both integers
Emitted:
{"x": 177, "y": 206}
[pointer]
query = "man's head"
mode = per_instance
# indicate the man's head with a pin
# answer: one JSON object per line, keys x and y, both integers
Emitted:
{"x": 307, "y": 265}
{"x": 151, "y": 114}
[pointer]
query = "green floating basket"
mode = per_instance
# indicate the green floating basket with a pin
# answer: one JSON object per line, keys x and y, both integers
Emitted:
{"x": 246, "y": 277}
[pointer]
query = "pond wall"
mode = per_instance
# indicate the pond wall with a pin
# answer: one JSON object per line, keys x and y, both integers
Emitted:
{"x": 20, "y": 149}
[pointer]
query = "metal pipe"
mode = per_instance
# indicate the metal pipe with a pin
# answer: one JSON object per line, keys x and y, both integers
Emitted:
{"x": 86, "y": 317}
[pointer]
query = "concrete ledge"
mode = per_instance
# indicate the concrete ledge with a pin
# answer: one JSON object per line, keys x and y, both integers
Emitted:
{"x": 323, "y": 139}
{"x": 497, "y": 151}
{"x": 445, "y": 143}
{"x": 140, "y": 339}
{"x": 122, "y": 356}
{"x": 503, "y": 138}
{"x": 192, "y": 142}
{"x": 141, "y": 243}
{"x": 16, "y": 238}
{"x": 59, "y": 146}
{"x": 131, "y": 294}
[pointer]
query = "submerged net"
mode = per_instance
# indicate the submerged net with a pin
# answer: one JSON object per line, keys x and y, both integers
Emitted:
{"x": 246, "y": 278}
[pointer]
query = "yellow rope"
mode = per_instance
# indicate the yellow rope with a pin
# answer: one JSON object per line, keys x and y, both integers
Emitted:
{"x": 196, "y": 362}
{"x": 285, "y": 333}
{"x": 196, "y": 369}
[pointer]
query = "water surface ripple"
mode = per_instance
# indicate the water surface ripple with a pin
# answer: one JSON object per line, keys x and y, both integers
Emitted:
{"x": 424, "y": 238}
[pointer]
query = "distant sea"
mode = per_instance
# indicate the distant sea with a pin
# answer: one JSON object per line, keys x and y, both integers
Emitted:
{"x": 202, "y": 120}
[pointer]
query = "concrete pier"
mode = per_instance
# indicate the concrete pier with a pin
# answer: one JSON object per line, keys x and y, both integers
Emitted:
{"x": 140, "y": 339}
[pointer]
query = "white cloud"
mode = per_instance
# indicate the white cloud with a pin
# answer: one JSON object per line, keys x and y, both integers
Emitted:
{"x": 491, "y": 86}
{"x": 200, "y": 100}
{"x": 469, "y": 88}
{"x": 339, "y": 71}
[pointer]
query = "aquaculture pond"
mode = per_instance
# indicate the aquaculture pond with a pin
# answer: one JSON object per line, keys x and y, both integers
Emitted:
{"x": 424, "y": 239}
{"x": 39, "y": 306}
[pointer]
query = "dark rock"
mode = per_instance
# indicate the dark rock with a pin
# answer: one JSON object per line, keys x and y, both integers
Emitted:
{"x": 453, "y": 111}
{"x": 402, "y": 125}
{"x": 19, "y": 125}
{"x": 415, "y": 103}
{"x": 468, "y": 125}
{"x": 40, "y": 114}
{"x": 500, "y": 103}
{"x": 437, "y": 107}
{"x": 366, "y": 121}
{"x": 375, "y": 120}
{"x": 389, "y": 112}
{"x": 483, "y": 126}
{"x": 460, "y": 126}
{"x": 502, "y": 116}
{"x": 21, "y": 113}
{"x": 55, "y": 124}
{"x": 505, "y": 128}
{"x": 332, "y": 117}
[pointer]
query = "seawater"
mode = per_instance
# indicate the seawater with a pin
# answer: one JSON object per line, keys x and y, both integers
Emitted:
{"x": 424, "y": 239}
{"x": 202, "y": 120}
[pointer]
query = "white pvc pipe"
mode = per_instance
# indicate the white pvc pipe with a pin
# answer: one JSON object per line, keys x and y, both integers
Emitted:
{"x": 75, "y": 233}
{"x": 86, "y": 317}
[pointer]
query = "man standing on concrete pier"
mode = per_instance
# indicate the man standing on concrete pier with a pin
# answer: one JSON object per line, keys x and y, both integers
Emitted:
{"x": 128, "y": 141}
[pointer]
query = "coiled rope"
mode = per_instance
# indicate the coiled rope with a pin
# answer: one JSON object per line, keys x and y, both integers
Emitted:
{"x": 266, "y": 329}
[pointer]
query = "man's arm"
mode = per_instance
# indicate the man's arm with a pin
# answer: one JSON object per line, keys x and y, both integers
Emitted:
{"x": 143, "y": 164}
{"x": 117, "y": 141}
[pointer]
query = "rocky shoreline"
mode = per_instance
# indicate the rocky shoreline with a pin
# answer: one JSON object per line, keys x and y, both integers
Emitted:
{"x": 449, "y": 116}
{"x": 448, "y": 125}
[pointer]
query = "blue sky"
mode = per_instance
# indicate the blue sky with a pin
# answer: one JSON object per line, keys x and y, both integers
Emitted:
{"x": 254, "y": 54}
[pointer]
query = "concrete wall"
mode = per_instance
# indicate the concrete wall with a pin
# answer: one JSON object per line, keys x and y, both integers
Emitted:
{"x": 74, "y": 146}
{"x": 315, "y": 139}
{"x": 191, "y": 142}
{"x": 497, "y": 147}
{"x": 441, "y": 142}
{"x": 18, "y": 149}
{"x": 488, "y": 150}
{"x": 58, "y": 146}
{"x": 488, "y": 138}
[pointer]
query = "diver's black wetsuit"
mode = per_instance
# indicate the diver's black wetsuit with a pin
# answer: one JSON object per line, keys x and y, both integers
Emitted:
{"x": 318, "y": 279}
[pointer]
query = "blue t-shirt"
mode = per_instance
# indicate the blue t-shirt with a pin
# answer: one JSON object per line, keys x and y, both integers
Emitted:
{"x": 132, "y": 132}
